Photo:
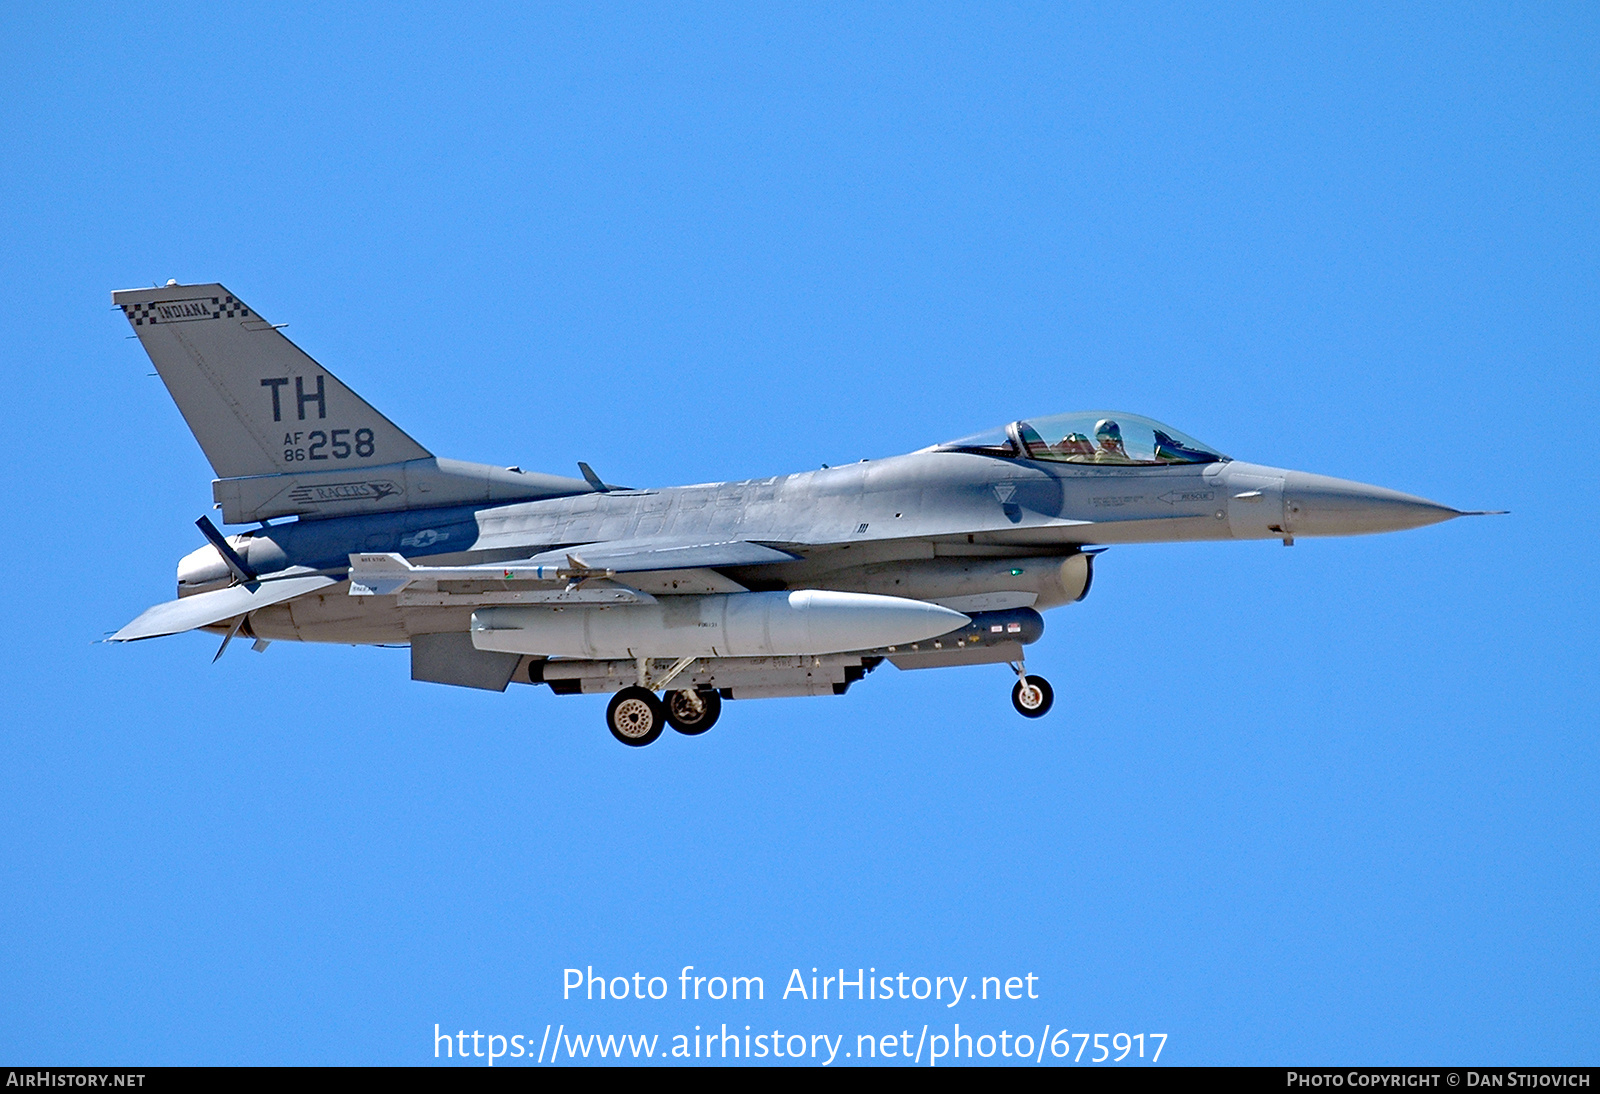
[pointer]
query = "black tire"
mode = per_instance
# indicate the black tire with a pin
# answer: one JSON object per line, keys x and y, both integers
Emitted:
{"x": 693, "y": 712}
{"x": 1046, "y": 697}
{"x": 636, "y": 717}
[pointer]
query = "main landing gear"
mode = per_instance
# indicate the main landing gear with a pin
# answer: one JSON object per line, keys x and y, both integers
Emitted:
{"x": 693, "y": 712}
{"x": 636, "y": 717}
{"x": 1032, "y": 695}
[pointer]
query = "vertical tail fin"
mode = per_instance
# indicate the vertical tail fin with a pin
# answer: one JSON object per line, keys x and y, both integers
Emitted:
{"x": 254, "y": 400}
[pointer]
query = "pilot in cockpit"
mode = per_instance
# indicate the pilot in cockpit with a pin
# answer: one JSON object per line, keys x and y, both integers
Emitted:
{"x": 1075, "y": 446}
{"x": 1109, "y": 436}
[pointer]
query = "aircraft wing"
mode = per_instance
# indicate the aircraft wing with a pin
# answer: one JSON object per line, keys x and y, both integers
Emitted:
{"x": 203, "y": 609}
{"x": 625, "y": 557}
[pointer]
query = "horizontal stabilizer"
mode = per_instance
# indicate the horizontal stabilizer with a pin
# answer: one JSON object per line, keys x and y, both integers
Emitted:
{"x": 203, "y": 609}
{"x": 623, "y": 557}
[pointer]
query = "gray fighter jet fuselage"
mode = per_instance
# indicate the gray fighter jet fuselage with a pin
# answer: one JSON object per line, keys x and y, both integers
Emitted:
{"x": 794, "y": 585}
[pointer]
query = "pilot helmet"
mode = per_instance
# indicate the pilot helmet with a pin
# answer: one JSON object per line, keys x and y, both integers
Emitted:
{"x": 1106, "y": 428}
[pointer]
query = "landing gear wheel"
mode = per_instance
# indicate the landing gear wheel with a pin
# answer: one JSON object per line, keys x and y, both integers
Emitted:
{"x": 1034, "y": 698}
{"x": 693, "y": 712}
{"x": 635, "y": 717}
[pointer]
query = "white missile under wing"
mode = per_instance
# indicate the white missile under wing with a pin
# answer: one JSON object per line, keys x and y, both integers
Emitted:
{"x": 672, "y": 599}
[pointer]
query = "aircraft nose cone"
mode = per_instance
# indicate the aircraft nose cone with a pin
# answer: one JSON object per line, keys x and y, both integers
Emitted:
{"x": 1316, "y": 505}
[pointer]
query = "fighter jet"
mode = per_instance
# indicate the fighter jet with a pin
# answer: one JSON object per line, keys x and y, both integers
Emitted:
{"x": 673, "y": 599}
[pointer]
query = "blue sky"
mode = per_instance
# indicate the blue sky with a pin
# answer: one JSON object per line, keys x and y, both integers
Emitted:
{"x": 1335, "y": 803}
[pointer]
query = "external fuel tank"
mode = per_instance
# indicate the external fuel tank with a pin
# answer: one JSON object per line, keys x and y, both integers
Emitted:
{"x": 805, "y": 621}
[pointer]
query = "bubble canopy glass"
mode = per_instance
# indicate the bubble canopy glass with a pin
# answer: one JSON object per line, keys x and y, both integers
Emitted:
{"x": 1107, "y": 438}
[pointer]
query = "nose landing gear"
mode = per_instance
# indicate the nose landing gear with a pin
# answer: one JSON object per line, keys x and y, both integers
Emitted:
{"x": 1032, "y": 695}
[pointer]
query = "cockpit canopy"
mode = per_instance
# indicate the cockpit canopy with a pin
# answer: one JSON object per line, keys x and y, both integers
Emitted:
{"x": 1103, "y": 437}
